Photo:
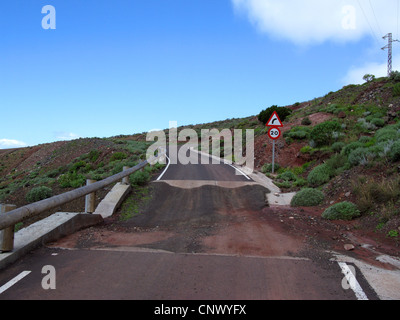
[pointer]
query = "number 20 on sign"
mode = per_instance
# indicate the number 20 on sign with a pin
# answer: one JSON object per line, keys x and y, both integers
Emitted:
{"x": 274, "y": 133}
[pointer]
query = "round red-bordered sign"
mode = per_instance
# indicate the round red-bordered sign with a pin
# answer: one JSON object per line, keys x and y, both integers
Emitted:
{"x": 274, "y": 133}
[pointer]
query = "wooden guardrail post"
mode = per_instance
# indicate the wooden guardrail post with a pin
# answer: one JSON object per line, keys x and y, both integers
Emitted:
{"x": 125, "y": 180}
{"x": 90, "y": 199}
{"x": 7, "y": 235}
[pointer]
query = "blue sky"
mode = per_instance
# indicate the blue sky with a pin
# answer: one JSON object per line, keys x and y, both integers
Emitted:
{"x": 127, "y": 66}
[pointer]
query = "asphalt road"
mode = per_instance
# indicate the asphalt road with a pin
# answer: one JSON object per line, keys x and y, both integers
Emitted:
{"x": 204, "y": 168}
{"x": 206, "y": 242}
{"x": 124, "y": 274}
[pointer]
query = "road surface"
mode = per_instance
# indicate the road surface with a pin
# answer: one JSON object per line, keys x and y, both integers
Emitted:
{"x": 205, "y": 234}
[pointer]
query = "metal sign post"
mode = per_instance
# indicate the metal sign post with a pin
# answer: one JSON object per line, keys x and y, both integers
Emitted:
{"x": 273, "y": 156}
{"x": 274, "y": 133}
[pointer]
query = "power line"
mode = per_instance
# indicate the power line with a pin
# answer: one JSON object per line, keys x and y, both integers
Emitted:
{"x": 366, "y": 18}
{"x": 398, "y": 18}
{"x": 376, "y": 20}
{"x": 388, "y": 36}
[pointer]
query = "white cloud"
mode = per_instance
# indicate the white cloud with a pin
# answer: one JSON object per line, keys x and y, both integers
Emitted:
{"x": 313, "y": 22}
{"x": 355, "y": 74}
{"x": 306, "y": 22}
{"x": 66, "y": 136}
{"x": 10, "y": 143}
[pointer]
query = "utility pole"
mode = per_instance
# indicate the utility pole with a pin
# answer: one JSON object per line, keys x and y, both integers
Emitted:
{"x": 390, "y": 49}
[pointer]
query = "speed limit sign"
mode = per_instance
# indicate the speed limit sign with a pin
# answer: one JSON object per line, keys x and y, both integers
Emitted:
{"x": 274, "y": 133}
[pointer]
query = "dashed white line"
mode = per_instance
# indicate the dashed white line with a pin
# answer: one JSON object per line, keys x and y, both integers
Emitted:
{"x": 352, "y": 281}
{"x": 14, "y": 281}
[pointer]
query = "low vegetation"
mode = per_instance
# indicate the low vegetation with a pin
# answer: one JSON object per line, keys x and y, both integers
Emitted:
{"x": 266, "y": 114}
{"x": 39, "y": 193}
{"x": 308, "y": 197}
{"x": 138, "y": 198}
{"x": 341, "y": 211}
{"x": 65, "y": 166}
{"x": 361, "y": 136}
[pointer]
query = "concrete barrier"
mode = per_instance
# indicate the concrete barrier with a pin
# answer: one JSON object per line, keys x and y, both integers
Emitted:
{"x": 52, "y": 228}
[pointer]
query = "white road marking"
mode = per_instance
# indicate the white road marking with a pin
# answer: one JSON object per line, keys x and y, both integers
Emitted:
{"x": 221, "y": 160}
{"x": 202, "y": 153}
{"x": 14, "y": 281}
{"x": 238, "y": 170}
{"x": 165, "y": 170}
{"x": 352, "y": 281}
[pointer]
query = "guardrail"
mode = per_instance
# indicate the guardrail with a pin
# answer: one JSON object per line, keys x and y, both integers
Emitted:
{"x": 9, "y": 219}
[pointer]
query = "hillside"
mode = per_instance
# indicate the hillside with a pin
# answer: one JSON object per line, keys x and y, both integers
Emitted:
{"x": 58, "y": 167}
{"x": 345, "y": 144}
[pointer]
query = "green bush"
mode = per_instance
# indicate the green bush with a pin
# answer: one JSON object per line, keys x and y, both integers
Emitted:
{"x": 319, "y": 175}
{"x": 337, "y": 163}
{"x": 369, "y": 77}
{"x": 376, "y": 149}
{"x": 306, "y": 121}
{"x": 53, "y": 173}
{"x": 306, "y": 149}
{"x": 139, "y": 178}
{"x": 284, "y": 184}
{"x": 333, "y": 108}
{"x": 323, "y": 133}
{"x": 39, "y": 193}
{"x": 298, "y": 135}
{"x": 71, "y": 180}
{"x": 266, "y": 114}
{"x": 76, "y": 166}
{"x": 369, "y": 117}
{"x": 364, "y": 139}
{"x": 118, "y": 156}
{"x": 395, "y": 75}
{"x": 117, "y": 167}
{"x": 94, "y": 175}
{"x": 378, "y": 122}
{"x": 93, "y": 155}
{"x": 392, "y": 234}
{"x": 368, "y": 143}
{"x": 341, "y": 211}
{"x": 287, "y": 176}
{"x": 338, "y": 146}
{"x": 363, "y": 125}
{"x": 154, "y": 168}
{"x": 307, "y": 197}
{"x": 268, "y": 167}
{"x": 396, "y": 90}
{"x": 386, "y": 134}
{"x": 394, "y": 153}
{"x": 300, "y": 182}
{"x": 350, "y": 147}
{"x": 359, "y": 156}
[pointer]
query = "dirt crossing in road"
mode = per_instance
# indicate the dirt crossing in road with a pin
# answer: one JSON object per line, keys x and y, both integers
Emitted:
{"x": 201, "y": 242}
{"x": 213, "y": 222}
{"x": 207, "y": 219}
